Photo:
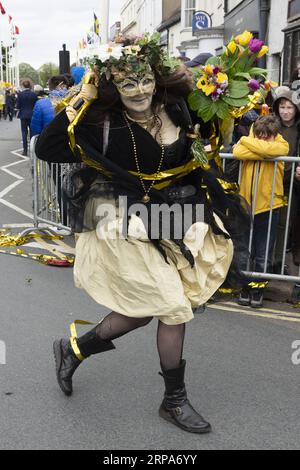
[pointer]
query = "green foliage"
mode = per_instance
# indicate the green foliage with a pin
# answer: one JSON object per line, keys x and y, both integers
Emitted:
{"x": 27, "y": 71}
{"x": 236, "y": 102}
{"x": 238, "y": 89}
{"x": 46, "y": 71}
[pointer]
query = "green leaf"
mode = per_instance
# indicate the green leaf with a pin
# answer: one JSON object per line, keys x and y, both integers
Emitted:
{"x": 258, "y": 71}
{"x": 207, "y": 112}
{"x": 238, "y": 89}
{"x": 245, "y": 75}
{"x": 236, "y": 102}
{"x": 195, "y": 100}
{"x": 213, "y": 61}
{"x": 222, "y": 109}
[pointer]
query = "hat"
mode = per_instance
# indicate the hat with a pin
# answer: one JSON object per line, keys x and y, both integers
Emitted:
{"x": 284, "y": 92}
{"x": 200, "y": 59}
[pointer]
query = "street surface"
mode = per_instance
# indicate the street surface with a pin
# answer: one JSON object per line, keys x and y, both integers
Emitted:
{"x": 240, "y": 373}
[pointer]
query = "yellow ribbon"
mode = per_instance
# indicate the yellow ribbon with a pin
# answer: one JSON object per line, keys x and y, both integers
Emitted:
{"x": 73, "y": 339}
{"x": 72, "y": 125}
{"x": 229, "y": 187}
{"x": 8, "y": 240}
{"x": 258, "y": 285}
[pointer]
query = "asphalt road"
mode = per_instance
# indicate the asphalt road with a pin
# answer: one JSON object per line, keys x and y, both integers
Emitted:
{"x": 239, "y": 369}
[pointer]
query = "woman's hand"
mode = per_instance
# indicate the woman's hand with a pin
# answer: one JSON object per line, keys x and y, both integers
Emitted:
{"x": 298, "y": 173}
{"x": 88, "y": 92}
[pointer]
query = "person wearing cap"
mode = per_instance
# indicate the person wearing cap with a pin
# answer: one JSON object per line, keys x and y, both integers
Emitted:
{"x": 287, "y": 108}
{"x": 199, "y": 60}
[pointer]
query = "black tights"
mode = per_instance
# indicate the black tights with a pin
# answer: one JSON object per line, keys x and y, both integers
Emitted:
{"x": 170, "y": 339}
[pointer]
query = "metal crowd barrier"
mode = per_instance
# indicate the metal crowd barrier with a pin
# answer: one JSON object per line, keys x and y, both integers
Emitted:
{"x": 266, "y": 274}
{"x": 50, "y": 207}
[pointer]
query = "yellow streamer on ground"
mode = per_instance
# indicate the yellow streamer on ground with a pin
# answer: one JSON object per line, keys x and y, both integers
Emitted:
{"x": 9, "y": 240}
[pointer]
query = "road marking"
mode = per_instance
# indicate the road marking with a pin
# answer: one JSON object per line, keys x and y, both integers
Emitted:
{"x": 11, "y": 187}
{"x": 293, "y": 319}
{"x": 265, "y": 309}
{"x": 16, "y": 208}
{"x": 63, "y": 249}
{"x": 52, "y": 249}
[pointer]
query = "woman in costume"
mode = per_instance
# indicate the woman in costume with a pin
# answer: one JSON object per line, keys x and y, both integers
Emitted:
{"x": 132, "y": 130}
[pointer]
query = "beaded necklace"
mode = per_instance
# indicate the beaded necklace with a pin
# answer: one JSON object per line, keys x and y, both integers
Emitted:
{"x": 146, "y": 198}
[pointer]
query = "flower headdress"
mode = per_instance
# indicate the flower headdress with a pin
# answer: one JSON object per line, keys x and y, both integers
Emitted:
{"x": 145, "y": 54}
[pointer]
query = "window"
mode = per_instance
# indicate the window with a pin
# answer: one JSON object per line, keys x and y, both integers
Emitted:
{"x": 294, "y": 9}
{"x": 190, "y": 10}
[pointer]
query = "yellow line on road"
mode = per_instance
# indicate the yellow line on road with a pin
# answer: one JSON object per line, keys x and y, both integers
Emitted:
{"x": 255, "y": 313}
{"x": 265, "y": 309}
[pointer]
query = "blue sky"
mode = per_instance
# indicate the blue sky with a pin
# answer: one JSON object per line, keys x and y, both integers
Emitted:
{"x": 46, "y": 25}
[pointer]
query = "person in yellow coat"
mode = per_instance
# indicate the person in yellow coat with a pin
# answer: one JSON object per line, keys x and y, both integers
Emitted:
{"x": 262, "y": 187}
{"x": 2, "y": 103}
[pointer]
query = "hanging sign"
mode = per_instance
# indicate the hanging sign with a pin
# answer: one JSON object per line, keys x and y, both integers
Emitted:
{"x": 201, "y": 20}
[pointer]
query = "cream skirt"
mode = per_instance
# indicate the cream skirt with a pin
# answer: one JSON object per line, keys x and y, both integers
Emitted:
{"x": 131, "y": 277}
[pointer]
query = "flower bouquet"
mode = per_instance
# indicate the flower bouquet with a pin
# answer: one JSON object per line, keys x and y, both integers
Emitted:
{"x": 230, "y": 85}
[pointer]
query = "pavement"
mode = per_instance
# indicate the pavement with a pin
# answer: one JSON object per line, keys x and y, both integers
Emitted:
{"x": 242, "y": 368}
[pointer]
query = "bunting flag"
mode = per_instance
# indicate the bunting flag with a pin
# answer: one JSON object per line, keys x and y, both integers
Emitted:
{"x": 2, "y": 9}
{"x": 9, "y": 19}
{"x": 89, "y": 39}
{"x": 96, "y": 25}
{"x": 17, "y": 30}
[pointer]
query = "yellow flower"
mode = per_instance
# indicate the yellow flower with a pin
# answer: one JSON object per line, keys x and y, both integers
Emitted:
{"x": 244, "y": 39}
{"x": 232, "y": 47}
{"x": 207, "y": 87}
{"x": 269, "y": 84}
{"x": 208, "y": 70}
{"x": 222, "y": 77}
{"x": 264, "y": 50}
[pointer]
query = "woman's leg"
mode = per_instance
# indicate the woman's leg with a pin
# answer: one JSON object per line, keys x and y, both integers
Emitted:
{"x": 176, "y": 407}
{"x": 70, "y": 354}
{"x": 170, "y": 342}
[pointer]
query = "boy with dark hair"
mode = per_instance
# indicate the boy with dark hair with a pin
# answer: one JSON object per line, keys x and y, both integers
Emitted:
{"x": 264, "y": 144}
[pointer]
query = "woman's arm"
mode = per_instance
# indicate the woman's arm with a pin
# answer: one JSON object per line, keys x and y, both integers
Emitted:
{"x": 53, "y": 143}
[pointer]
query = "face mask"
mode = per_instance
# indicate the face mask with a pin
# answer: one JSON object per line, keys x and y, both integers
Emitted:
{"x": 131, "y": 87}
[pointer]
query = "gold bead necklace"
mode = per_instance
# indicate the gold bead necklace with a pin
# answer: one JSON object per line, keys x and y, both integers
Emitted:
{"x": 146, "y": 198}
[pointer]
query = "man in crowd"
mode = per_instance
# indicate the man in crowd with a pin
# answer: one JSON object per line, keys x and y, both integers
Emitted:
{"x": 287, "y": 109}
{"x": 44, "y": 109}
{"x": 25, "y": 104}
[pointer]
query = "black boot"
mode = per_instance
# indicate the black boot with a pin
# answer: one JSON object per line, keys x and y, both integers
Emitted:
{"x": 176, "y": 407}
{"x": 67, "y": 361}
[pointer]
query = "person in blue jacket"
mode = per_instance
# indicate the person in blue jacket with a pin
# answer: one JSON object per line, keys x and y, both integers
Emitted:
{"x": 25, "y": 104}
{"x": 44, "y": 110}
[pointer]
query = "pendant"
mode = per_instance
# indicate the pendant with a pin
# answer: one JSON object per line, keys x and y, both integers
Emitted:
{"x": 146, "y": 199}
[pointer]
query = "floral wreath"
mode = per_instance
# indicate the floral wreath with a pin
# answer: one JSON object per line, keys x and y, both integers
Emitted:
{"x": 116, "y": 59}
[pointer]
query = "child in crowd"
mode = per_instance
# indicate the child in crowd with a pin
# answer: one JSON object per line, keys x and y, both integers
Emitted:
{"x": 257, "y": 186}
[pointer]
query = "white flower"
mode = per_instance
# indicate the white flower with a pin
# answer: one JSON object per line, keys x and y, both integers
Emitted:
{"x": 109, "y": 51}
